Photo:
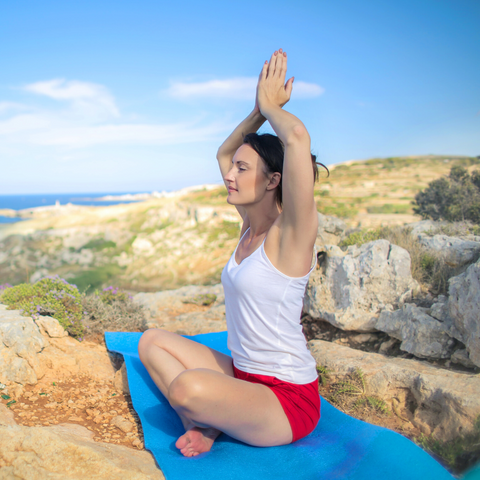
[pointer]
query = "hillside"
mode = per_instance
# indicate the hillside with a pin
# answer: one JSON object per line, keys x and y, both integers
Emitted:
{"x": 187, "y": 239}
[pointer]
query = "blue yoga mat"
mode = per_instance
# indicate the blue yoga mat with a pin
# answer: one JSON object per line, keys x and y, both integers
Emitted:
{"x": 341, "y": 447}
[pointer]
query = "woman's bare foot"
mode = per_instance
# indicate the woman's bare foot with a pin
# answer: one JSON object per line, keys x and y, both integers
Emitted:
{"x": 197, "y": 440}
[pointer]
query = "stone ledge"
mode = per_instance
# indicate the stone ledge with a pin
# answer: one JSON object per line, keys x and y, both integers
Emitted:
{"x": 442, "y": 402}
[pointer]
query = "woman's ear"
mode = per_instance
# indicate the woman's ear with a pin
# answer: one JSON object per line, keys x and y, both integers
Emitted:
{"x": 274, "y": 181}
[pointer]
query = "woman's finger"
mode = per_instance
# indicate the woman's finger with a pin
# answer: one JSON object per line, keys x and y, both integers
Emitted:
{"x": 271, "y": 64}
{"x": 289, "y": 86}
{"x": 263, "y": 72}
{"x": 280, "y": 65}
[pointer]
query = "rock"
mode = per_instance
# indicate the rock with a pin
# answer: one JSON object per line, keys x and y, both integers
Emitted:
{"x": 53, "y": 452}
{"x": 123, "y": 424}
{"x": 20, "y": 342}
{"x": 464, "y": 309}
{"x": 455, "y": 251}
{"x": 443, "y": 402}
{"x": 176, "y": 298}
{"x": 27, "y": 356}
{"x": 164, "y": 309}
{"x": 142, "y": 246}
{"x": 424, "y": 226}
{"x": 213, "y": 320}
{"x": 330, "y": 230}
{"x": 461, "y": 357}
{"x": 7, "y": 417}
{"x": 121, "y": 380}
{"x": 66, "y": 356}
{"x": 386, "y": 346}
{"x": 363, "y": 338}
{"x": 51, "y": 327}
{"x": 351, "y": 288}
{"x": 72, "y": 429}
{"x": 420, "y": 334}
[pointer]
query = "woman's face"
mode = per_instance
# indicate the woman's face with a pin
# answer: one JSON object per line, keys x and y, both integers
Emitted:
{"x": 247, "y": 179}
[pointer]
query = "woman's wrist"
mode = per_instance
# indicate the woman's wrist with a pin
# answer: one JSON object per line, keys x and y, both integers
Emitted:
{"x": 257, "y": 116}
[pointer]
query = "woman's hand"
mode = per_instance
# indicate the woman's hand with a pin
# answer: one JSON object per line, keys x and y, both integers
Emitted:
{"x": 271, "y": 88}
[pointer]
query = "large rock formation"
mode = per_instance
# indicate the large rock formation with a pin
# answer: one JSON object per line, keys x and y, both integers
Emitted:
{"x": 29, "y": 353}
{"x": 330, "y": 231}
{"x": 422, "y": 335}
{"x": 68, "y": 452}
{"x": 455, "y": 251}
{"x": 436, "y": 400}
{"x": 166, "y": 309}
{"x": 464, "y": 309}
{"x": 351, "y": 288}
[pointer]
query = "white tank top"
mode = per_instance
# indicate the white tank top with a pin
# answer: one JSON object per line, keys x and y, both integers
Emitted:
{"x": 263, "y": 308}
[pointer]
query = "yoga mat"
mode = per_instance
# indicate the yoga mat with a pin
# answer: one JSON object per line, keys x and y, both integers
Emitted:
{"x": 341, "y": 447}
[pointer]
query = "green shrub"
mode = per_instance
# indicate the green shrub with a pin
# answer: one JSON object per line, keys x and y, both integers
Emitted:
{"x": 452, "y": 198}
{"x": 52, "y": 296}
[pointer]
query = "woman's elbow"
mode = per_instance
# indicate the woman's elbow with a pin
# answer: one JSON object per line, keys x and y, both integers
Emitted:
{"x": 298, "y": 134}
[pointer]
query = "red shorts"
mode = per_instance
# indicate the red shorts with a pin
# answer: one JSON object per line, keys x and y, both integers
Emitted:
{"x": 301, "y": 403}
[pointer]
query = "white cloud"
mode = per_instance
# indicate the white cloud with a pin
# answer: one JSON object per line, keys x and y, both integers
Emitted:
{"x": 87, "y": 117}
{"x": 87, "y": 99}
{"x": 240, "y": 88}
{"x": 131, "y": 134}
{"x": 9, "y": 106}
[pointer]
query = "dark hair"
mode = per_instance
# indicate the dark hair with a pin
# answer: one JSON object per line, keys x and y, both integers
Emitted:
{"x": 270, "y": 148}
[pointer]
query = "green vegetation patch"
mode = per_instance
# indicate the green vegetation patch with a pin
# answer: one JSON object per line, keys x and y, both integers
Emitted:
{"x": 52, "y": 296}
{"x": 459, "y": 454}
{"x": 350, "y": 395}
{"x": 98, "y": 244}
{"x": 95, "y": 278}
{"x": 341, "y": 210}
{"x": 390, "y": 208}
{"x": 205, "y": 299}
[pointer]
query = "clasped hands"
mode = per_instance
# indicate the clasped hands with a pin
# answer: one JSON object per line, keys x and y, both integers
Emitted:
{"x": 272, "y": 91}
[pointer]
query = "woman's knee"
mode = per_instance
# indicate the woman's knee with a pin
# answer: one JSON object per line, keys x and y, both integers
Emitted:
{"x": 148, "y": 339}
{"x": 187, "y": 390}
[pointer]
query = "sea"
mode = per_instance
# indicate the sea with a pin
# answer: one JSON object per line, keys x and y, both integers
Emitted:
{"x": 21, "y": 202}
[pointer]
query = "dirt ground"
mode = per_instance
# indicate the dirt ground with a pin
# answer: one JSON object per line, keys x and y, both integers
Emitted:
{"x": 80, "y": 400}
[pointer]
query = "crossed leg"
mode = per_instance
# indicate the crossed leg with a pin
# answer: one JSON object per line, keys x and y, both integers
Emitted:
{"x": 199, "y": 384}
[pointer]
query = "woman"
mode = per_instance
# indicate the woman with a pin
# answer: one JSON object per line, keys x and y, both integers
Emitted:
{"x": 268, "y": 395}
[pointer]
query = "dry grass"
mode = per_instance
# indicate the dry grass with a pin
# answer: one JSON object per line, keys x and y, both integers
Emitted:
{"x": 119, "y": 315}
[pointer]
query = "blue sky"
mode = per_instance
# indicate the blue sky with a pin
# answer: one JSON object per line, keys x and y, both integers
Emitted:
{"x": 137, "y": 96}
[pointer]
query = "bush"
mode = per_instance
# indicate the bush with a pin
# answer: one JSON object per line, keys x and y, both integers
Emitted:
{"x": 452, "y": 198}
{"x": 112, "y": 309}
{"x": 52, "y": 296}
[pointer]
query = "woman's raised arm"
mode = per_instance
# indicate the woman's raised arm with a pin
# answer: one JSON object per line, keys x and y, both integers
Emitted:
{"x": 299, "y": 214}
{"x": 235, "y": 140}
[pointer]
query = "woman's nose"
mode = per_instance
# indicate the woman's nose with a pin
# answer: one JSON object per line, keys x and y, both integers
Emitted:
{"x": 229, "y": 175}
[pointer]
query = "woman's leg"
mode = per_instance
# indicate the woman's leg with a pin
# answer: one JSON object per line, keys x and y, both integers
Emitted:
{"x": 198, "y": 382}
{"x": 246, "y": 411}
{"x": 165, "y": 355}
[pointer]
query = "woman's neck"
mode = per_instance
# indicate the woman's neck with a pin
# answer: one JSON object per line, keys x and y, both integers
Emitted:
{"x": 261, "y": 219}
